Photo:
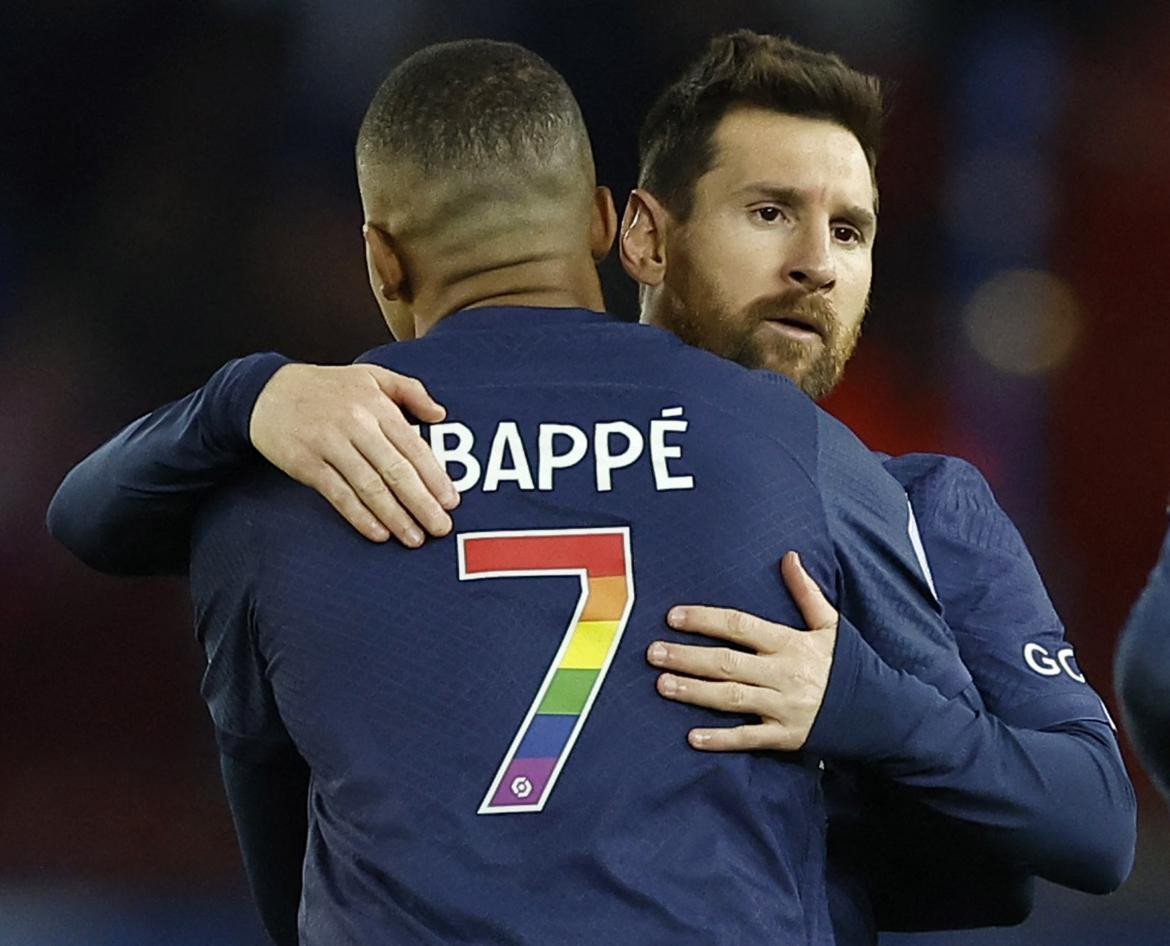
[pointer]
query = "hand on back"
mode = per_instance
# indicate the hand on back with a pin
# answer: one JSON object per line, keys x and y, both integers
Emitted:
{"x": 342, "y": 432}
{"x": 780, "y": 676}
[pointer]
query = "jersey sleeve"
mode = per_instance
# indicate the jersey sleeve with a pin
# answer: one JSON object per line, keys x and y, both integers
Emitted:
{"x": 1055, "y": 803}
{"x": 1011, "y": 785}
{"x": 995, "y": 603}
{"x": 226, "y": 561}
{"x": 886, "y": 588}
{"x": 127, "y": 508}
{"x": 1143, "y": 672}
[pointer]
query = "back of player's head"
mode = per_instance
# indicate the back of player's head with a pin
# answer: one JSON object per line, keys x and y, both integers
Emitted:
{"x": 474, "y": 132}
{"x": 745, "y": 69}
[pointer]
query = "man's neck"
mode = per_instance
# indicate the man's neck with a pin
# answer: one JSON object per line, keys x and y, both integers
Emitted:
{"x": 551, "y": 283}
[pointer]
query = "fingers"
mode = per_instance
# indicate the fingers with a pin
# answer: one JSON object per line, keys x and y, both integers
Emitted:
{"x": 332, "y": 485}
{"x": 729, "y": 697}
{"x": 813, "y": 605}
{"x": 317, "y": 423}
{"x": 738, "y": 627}
{"x": 782, "y": 727}
{"x": 769, "y": 735}
{"x": 409, "y": 393}
{"x": 714, "y": 663}
{"x": 418, "y": 454}
{"x": 362, "y": 488}
{"x": 389, "y": 482}
{"x": 782, "y": 680}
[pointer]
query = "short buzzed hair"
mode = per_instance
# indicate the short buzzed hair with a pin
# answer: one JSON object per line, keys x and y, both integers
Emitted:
{"x": 478, "y": 107}
{"x": 744, "y": 69}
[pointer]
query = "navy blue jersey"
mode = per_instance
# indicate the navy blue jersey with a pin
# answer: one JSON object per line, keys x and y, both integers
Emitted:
{"x": 905, "y": 858}
{"x": 490, "y": 761}
{"x": 1054, "y": 802}
{"x": 1007, "y": 630}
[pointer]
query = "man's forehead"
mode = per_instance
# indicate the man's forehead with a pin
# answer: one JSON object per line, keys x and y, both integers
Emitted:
{"x": 807, "y": 154}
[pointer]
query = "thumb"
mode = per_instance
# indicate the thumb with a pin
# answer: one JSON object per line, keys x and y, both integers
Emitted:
{"x": 410, "y": 394}
{"x": 814, "y": 606}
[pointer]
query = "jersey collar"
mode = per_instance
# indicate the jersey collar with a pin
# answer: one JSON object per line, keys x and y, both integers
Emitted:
{"x": 512, "y": 318}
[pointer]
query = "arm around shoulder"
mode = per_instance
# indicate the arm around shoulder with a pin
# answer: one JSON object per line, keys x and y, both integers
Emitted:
{"x": 1007, "y": 782}
{"x": 127, "y": 508}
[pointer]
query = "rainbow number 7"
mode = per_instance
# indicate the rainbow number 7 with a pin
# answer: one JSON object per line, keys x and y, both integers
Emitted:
{"x": 601, "y": 560}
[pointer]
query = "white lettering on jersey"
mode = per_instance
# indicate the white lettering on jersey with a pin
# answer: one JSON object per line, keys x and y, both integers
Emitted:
{"x": 919, "y": 551}
{"x": 1040, "y": 661}
{"x": 608, "y": 462}
{"x": 460, "y": 453}
{"x": 1064, "y": 658}
{"x": 661, "y": 451}
{"x": 547, "y": 457}
{"x": 507, "y": 440}
{"x": 615, "y": 445}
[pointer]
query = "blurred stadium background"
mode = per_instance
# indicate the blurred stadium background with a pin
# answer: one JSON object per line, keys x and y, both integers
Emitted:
{"x": 176, "y": 188}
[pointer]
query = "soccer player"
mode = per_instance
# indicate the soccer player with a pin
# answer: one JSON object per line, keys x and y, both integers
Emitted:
{"x": 744, "y": 243}
{"x": 1010, "y": 639}
{"x": 1143, "y": 672}
{"x": 487, "y": 755}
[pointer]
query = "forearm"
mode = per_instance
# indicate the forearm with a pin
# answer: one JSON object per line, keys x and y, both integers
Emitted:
{"x": 128, "y": 507}
{"x": 1056, "y": 803}
{"x": 269, "y": 809}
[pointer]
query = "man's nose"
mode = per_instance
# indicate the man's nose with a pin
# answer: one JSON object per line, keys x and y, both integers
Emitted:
{"x": 811, "y": 264}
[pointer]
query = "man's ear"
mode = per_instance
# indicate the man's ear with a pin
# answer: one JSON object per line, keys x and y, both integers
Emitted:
{"x": 603, "y": 225}
{"x": 643, "y": 238}
{"x": 386, "y": 264}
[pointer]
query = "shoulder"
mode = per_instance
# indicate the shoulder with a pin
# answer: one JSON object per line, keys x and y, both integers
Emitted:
{"x": 848, "y": 466}
{"x": 246, "y": 511}
{"x": 949, "y": 492}
{"x": 936, "y": 474}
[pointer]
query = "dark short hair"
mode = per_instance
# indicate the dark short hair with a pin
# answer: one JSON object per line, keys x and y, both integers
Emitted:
{"x": 676, "y": 144}
{"x": 470, "y": 105}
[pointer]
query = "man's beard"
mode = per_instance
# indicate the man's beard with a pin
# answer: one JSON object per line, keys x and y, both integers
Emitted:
{"x": 742, "y": 337}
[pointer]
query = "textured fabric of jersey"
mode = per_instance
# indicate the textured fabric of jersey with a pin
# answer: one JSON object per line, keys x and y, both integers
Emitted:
{"x": 406, "y": 687}
{"x": 1011, "y": 641}
{"x": 993, "y": 597}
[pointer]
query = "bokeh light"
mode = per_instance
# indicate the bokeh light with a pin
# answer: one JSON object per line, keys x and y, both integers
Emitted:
{"x": 1023, "y": 321}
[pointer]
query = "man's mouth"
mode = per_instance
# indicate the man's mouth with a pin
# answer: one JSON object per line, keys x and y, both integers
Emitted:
{"x": 796, "y": 328}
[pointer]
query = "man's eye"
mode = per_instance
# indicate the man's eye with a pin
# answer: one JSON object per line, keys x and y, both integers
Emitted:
{"x": 846, "y": 234}
{"x": 769, "y": 214}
